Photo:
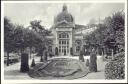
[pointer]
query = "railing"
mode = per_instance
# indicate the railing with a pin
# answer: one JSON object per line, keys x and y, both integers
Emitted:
{"x": 12, "y": 59}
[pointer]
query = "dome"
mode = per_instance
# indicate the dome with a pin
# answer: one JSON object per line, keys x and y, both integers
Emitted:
{"x": 64, "y": 15}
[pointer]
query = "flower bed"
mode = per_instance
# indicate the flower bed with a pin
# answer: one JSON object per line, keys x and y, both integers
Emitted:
{"x": 62, "y": 68}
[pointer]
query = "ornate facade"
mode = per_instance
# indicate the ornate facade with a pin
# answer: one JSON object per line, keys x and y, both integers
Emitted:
{"x": 64, "y": 37}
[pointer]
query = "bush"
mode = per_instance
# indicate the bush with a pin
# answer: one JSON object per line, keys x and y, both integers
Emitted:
{"x": 115, "y": 69}
{"x": 33, "y": 63}
{"x": 93, "y": 63}
{"x": 87, "y": 62}
{"x": 41, "y": 59}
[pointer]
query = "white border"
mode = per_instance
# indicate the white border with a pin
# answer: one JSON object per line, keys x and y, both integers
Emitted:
{"x": 61, "y": 81}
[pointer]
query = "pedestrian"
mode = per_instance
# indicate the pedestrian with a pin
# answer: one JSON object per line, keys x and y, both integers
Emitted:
{"x": 93, "y": 61}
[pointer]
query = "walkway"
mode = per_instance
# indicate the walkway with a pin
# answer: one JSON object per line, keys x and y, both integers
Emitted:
{"x": 13, "y": 71}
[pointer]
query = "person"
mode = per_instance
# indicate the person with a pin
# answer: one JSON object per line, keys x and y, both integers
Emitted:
{"x": 93, "y": 61}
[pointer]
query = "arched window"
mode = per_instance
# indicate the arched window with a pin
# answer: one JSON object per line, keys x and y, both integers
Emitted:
{"x": 78, "y": 42}
{"x": 77, "y": 48}
{"x": 63, "y": 35}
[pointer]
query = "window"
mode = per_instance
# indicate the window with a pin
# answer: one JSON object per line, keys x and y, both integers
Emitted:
{"x": 59, "y": 48}
{"x": 67, "y": 42}
{"x": 77, "y": 48}
{"x": 67, "y": 36}
{"x": 78, "y": 42}
{"x": 62, "y": 42}
{"x": 59, "y": 42}
{"x": 63, "y": 35}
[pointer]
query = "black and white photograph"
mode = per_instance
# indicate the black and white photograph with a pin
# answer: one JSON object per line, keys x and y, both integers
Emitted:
{"x": 64, "y": 40}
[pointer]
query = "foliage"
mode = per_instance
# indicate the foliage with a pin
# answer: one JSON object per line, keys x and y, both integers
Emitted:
{"x": 115, "y": 40}
{"x": 42, "y": 42}
{"x": 8, "y": 35}
{"x": 109, "y": 34}
{"x": 17, "y": 38}
{"x": 116, "y": 68}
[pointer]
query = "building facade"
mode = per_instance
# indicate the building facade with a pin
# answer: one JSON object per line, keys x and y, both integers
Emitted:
{"x": 65, "y": 37}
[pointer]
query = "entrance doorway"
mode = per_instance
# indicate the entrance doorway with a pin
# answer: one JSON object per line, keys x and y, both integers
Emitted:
{"x": 63, "y": 47}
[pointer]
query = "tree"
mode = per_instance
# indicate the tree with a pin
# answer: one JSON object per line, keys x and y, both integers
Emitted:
{"x": 19, "y": 38}
{"x": 115, "y": 68}
{"x": 30, "y": 39}
{"x": 110, "y": 34}
{"x": 8, "y": 37}
{"x": 42, "y": 40}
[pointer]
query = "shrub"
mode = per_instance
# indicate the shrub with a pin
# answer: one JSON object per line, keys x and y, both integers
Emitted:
{"x": 93, "y": 63}
{"x": 33, "y": 63}
{"x": 115, "y": 69}
{"x": 41, "y": 59}
{"x": 87, "y": 62}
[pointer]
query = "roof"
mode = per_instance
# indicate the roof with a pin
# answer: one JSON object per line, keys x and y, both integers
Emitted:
{"x": 64, "y": 15}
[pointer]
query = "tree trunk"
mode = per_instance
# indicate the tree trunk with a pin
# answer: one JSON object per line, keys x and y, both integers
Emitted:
{"x": 7, "y": 58}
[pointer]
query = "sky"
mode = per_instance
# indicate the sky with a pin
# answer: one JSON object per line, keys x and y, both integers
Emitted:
{"x": 23, "y": 13}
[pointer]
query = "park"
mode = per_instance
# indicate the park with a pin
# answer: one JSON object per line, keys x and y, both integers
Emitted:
{"x": 66, "y": 51}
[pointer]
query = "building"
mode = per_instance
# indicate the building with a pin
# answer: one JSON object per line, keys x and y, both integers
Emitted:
{"x": 66, "y": 37}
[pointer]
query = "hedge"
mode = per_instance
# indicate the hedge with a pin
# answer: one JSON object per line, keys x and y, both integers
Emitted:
{"x": 115, "y": 69}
